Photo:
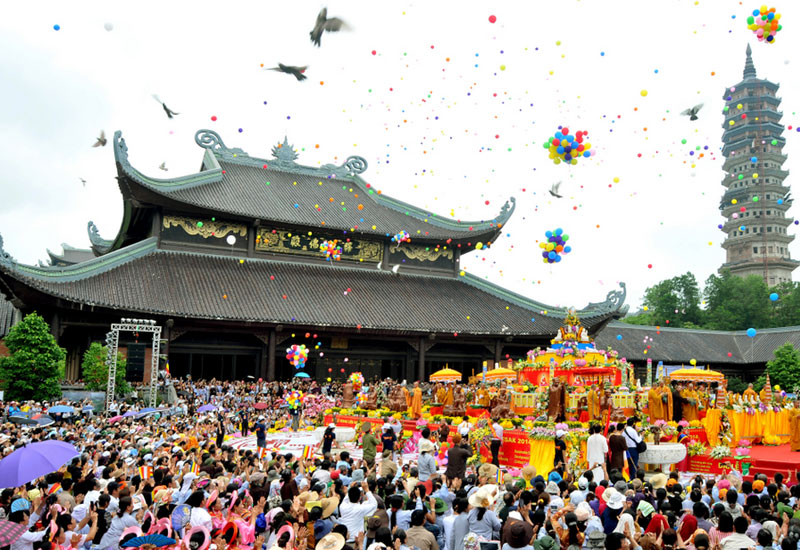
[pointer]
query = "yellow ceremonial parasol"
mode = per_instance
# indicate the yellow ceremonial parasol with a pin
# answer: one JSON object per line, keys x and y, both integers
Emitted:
{"x": 446, "y": 375}
{"x": 696, "y": 375}
{"x": 501, "y": 374}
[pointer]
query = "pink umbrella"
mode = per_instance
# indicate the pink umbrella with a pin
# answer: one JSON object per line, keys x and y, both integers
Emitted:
{"x": 115, "y": 419}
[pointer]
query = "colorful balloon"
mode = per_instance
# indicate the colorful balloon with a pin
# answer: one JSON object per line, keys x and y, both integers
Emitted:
{"x": 297, "y": 355}
{"x": 401, "y": 237}
{"x": 333, "y": 252}
{"x": 764, "y": 24}
{"x": 554, "y": 246}
{"x": 565, "y": 147}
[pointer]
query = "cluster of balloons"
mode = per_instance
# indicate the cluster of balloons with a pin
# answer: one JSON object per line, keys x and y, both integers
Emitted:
{"x": 555, "y": 246}
{"x": 568, "y": 148}
{"x": 764, "y": 24}
{"x": 297, "y": 355}
{"x": 294, "y": 398}
{"x": 357, "y": 379}
{"x": 402, "y": 237}
{"x": 332, "y": 250}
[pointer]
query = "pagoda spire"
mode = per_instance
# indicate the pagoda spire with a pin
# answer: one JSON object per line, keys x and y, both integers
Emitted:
{"x": 749, "y": 67}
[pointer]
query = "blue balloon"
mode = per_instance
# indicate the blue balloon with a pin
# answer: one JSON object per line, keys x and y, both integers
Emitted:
{"x": 780, "y": 201}
{"x": 756, "y": 12}
{"x": 559, "y": 135}
{"x": 551, "y": 255}
{"x": 619, "y": 337}
{"x": 751, "y": 333}
{"x": 770, "y": 16}
{"x": 753, "y": 159}
{"x": 567, "y": 249}
{"x": 559, "y": 231}
{"x": 558, "y": 258}
{"x": 587, "y": 154}
{"x": 774, "y": 296}
{"x": 560, "y": 150}
{"x": 548, "y": 234}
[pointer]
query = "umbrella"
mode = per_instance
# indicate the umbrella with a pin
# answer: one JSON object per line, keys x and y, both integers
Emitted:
{"x": 156, "y": 539}
{"x": 446, "y": 375}
{"x": 501, "y": 374}
{"x": 34, "y": 460}
{"x": 302, "y": 375}
{"x": 10, "y": 532}
{"x": 60, "y": 409}
{"x": 24, "y": 420}
{"x": 44, "y": 420}
{"x": 87, "y": 408}
{"x": 114, "y": 419}
{"x": 260, "y": 406}
{"x": 129, "y": 414}
{"x": 696, "y": 375}
{"x": 146, "y": 412}
{"x": 207, "y": 408}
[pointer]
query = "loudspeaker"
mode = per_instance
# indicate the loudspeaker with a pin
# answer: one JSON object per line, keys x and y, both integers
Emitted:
{"x": 135, "y": 367}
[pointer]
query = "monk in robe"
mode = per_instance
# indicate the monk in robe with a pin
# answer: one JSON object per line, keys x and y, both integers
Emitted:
{"x": 416, "y": 401}
{"x": 483, "y": 397}
{"x": 440, "y": 392}
{"x": 691, "y": 401}
{"x": 750, "y": 393}
{"x": 593, "y": 403}
{"x": 655, "y": 407}
{"x": 556, "y": 405}
{"x": 794, "y": 428}
{"x": 763, "y": 395}
{"x": 407, "y": 395}
{"x": 448, "y": 395}
{"x": 666, "y": 401}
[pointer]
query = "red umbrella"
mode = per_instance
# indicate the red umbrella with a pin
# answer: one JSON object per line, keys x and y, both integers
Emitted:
{"x": 260, "y": 406}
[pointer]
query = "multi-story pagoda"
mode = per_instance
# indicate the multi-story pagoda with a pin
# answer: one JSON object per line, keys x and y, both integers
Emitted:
{"x": 755, "y": 201}
{"x": 228, "y": 261}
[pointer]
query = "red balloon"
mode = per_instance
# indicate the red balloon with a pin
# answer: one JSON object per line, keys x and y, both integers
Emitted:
{"x": 565, "y": 131}
{"x": 556, "y": 141}
{"x": 342, "y": 370}
{"x": 330, "y": 370}
{"x": 492, "y": 19}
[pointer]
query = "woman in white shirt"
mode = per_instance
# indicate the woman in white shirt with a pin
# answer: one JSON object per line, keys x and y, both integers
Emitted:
{"x": 121, "y": 521}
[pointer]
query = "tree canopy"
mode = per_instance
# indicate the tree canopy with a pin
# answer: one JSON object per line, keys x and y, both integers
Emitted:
{"x": 31, "y": 369}
{"x": 726, "y": 302}
{"x": 95, "y": 370}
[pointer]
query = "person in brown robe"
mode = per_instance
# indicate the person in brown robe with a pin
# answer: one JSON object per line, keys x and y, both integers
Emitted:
{"x": 617, "y": 447}
{"x": 347, "y": 395}
{"x": 557, "y": 398}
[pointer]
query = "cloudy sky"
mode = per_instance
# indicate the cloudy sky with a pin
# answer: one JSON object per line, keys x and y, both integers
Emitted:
{"x": 450, "y": 110}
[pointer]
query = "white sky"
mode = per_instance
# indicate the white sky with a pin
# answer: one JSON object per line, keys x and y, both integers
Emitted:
{"x": 440, "y": 123}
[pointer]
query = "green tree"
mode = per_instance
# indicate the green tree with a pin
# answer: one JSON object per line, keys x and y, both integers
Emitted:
{"x": 674, "y": 302}
{"x": 786, "y": 310}
{"x": 31, "y": 369}
{"x": 736, "y": 303}
{"x": 736, "y": 385}
{"x": 784, "y": 370}
{"x": 95, "y": 370}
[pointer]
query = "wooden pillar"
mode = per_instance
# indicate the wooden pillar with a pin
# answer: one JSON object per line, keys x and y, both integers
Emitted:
{"x": 268, "y": 367}
{"x": 421, "y": 360}
{"x": 498, "y": 350}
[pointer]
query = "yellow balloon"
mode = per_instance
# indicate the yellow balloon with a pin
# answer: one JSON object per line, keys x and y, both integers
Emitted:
{"x": 739, "y": 106}
{"x": 643, "y": 93}
{"x": 479, "y": 245}
{"x": 764, "y": 8}
{"x": 587, "y": 146}
{"x": 544, "y": 260}
{"x": 574, "y": 161}
{"x": 693, "y": 362}
{"x": 777, "y": 16}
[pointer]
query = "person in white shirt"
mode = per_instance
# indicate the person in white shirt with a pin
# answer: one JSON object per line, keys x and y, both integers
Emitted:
{"x": 28, "y": 538}
{"x": 632, "y": 439}
{"x": 352, "y": 511}
{"x": 199, "y": 515}
{"x": 596, "y": 450}
{"x": 496, "y": 442}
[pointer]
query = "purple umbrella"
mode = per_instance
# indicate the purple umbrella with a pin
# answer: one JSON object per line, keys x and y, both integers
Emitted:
{"x": 34, "y": 460}
{"x": 207, "y": 408}
{"x": 129, "y": 414}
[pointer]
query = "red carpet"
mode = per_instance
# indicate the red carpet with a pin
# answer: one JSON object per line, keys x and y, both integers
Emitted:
{"x": 770, "y": 460}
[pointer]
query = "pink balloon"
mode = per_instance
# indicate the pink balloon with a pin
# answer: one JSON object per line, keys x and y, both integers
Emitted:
{"x": 760, "y": 33}
{"x": 762, "y": 22}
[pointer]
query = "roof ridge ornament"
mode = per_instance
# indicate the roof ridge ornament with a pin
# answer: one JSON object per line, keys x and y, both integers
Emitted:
{"x": 5, "y": 257}
{"x": 285, "y": 153}
{"x": 749, "y": 66}
{"x": 614, "y": 301}
{"x": 209, "y": 139}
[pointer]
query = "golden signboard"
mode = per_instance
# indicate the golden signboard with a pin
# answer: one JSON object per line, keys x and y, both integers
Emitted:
{"x": 288, "y": 242}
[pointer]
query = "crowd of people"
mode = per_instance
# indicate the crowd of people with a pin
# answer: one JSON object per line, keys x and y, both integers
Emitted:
{"x": 174, "y": 473}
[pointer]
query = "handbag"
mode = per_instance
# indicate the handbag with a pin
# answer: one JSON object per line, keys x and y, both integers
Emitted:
{"x": 641, "y": 447}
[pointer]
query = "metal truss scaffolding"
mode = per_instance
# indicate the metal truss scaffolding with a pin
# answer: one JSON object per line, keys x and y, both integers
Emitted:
{"x": 112, "y": 345}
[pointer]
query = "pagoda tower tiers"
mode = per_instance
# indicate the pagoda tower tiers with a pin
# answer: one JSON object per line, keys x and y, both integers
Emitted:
{"x": 756, "y": 200}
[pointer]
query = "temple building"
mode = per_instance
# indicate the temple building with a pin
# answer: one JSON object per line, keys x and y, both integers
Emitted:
{"x": 228, "y": 260}
{"x": 756, "y": 200}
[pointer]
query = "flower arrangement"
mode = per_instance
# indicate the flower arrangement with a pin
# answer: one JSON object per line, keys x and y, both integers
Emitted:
{"x": 541, "y": 433}
{"x": 742, "y": 452}
{"x": 745, "y": 443}
{"x": 696, "y": 448}
{"x": 694, "y": 424}
{"x": 720, "y": 451}
{"x": 683, "y": 423}
{"x": 562, "y": 426}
